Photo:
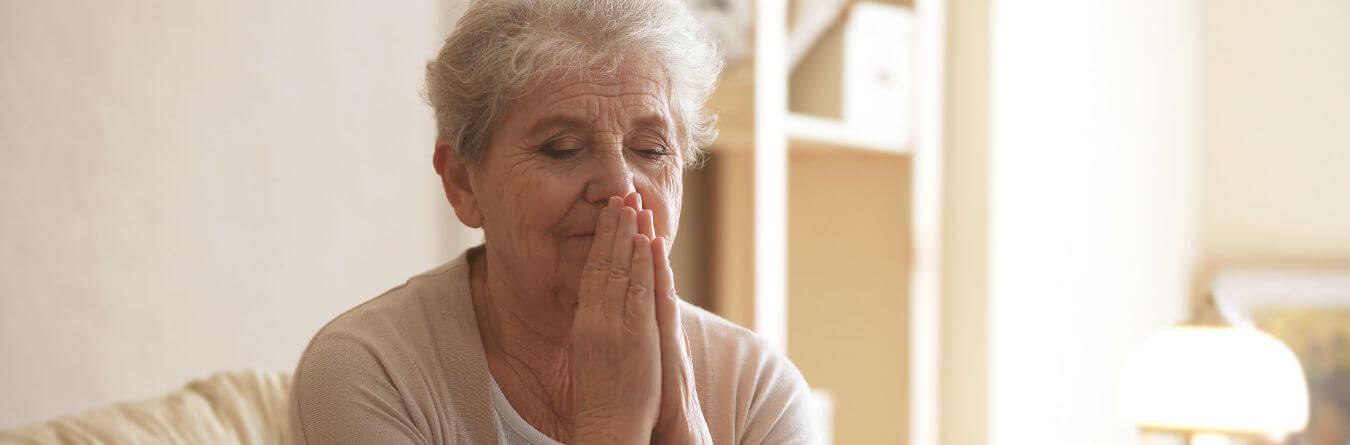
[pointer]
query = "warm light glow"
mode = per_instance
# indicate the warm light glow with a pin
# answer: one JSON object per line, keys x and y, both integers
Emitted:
{"x": 1224, "y": 379}
{"x": 1210, "y": 439}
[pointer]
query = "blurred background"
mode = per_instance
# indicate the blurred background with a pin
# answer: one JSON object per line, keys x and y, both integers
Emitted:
{"x": 957, "y": 217}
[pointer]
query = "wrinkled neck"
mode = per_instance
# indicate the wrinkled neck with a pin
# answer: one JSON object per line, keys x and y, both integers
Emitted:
{"x": 539, "y": 324}
{"x": 528, "y": 343}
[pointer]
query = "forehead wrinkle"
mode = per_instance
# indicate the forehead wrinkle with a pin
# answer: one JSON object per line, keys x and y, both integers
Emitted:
{"x": 660, "y": 82}
{"x": 646, "y": 109}
{"x": 615, "y": 79}
{"x": 640, "y": 106}
{"x": 608, "y": 81}
{"x": 647, "y": 106}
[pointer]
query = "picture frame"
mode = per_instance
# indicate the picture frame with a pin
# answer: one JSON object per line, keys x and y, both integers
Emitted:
{"x": 1309, "y": 310}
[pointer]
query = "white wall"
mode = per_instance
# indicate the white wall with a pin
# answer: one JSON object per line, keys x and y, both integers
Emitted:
{"x": 1275, "y": 129}
{"x": 1129, "y": 142}
{"x": 192, "y": 186}
{"x": 1092, "y": 200}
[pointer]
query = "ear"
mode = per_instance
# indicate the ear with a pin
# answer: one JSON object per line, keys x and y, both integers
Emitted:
{"x": 457, "y": 183}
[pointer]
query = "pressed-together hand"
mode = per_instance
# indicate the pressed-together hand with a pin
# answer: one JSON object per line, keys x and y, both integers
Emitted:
{"x": 615, "y": 341}
{"x": 634, "y": 376}
{"x": 681, "y": 418}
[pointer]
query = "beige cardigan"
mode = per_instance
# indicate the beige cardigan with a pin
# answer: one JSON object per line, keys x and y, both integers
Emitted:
{"x": 408, "y": 367}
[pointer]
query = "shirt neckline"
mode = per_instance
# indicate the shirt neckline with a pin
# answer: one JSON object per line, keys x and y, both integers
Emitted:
{"x": 508, "y": 416}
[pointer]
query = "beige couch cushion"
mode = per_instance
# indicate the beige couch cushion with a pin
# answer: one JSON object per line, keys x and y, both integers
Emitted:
{"x": 235, "y": 407}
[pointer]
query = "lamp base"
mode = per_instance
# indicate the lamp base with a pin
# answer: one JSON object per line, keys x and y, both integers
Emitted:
{"x": 1147, "y": 437}
{"x": 1209, "y": 439}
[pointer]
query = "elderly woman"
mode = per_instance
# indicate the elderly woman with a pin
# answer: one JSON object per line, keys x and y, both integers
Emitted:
{"x": 564, "y": 130}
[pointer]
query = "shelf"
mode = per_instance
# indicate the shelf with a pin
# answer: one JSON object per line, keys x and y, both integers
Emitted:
{"x": 785, "y": 157}
{"x": 807, "y": 132}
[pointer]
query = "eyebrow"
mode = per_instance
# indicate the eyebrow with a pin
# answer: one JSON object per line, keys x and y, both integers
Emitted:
{"x": 650, "y": 121}
{"x": 555, "y": 121}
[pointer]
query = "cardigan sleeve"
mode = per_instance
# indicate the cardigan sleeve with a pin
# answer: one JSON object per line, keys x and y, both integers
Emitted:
{"x": 342, "y": 395}
{"x": 751, "y": 393}
{"x": 782, "y": 411}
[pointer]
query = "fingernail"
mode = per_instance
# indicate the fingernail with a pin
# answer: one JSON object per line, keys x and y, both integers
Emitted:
{"x": 637, "y": 199}
{"x": 613, "y": 202}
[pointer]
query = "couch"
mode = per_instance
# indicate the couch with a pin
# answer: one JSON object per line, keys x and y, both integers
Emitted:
{"x": 236, "y": 407}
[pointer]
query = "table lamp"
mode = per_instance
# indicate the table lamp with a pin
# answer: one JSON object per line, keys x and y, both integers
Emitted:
{"x": 1209, "y": 380}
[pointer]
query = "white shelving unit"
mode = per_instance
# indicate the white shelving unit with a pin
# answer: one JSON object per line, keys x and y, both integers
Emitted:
{"x": 806, "y": 132}
{"x": 771, "y": 172}
{"x": 795, "y": 203}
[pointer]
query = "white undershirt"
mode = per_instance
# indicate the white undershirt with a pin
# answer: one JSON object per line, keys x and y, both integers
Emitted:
{"x": 511, "y": 428}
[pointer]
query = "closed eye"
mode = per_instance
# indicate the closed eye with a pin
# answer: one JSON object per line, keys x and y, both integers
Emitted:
{"x": 560, "y": 149}
{"x": 653, "y": 152}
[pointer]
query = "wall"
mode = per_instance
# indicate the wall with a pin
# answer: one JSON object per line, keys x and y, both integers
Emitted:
{"x": 191, "y": 186}
{"x": 1275, "y": 129}
{"x": 1092, "y": 206}
{"x": 1130, "y": 143}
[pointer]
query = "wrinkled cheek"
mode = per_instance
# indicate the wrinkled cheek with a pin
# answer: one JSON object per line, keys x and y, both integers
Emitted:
{"x": 570, "y": 282}
{"x": 572, "y": 255}
{"x": 542, "y": 205}
{"x": 533, "y": 217}
{"x": 575, "y": 250}
{"x": 673, "y": 216}
{"x": 672, "y": 197}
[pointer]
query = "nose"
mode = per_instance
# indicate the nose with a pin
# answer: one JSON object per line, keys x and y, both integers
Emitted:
{"x": 610, "y": 175}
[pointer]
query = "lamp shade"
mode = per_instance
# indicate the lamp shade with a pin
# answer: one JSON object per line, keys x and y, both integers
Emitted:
{"x": 1215, "y": 378}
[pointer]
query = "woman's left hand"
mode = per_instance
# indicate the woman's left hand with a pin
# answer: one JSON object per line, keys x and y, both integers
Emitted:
{"x": 681, "y": 416}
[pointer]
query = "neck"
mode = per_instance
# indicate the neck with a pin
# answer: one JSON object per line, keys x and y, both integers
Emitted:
{"x": 528, "y": 343}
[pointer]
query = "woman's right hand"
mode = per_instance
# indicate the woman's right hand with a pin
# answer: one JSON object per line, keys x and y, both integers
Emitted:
{"x": 616, "y": 345}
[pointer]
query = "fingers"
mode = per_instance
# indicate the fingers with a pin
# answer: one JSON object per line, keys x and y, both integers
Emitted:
{"x": 616, "y": 284}
{"x": 618, "y": 331}
{"x": 633, "y": 200}
{"x": 617, "y": 257}
{"x": 667, "y": 307}
{"x": 599, "y": 260}
{"x": 638, "y": 308}
{"x": 645, "y": 226}
{"x": 622, "y": 253}
{"x": 678, "y": 394}
{"x": 645, "y": 216}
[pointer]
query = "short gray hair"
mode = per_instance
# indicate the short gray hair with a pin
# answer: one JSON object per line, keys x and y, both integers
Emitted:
{"x": 501, "y": 48}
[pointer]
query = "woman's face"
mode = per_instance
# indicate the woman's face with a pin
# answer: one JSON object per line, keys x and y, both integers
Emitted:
{"x": 559, "y": 154}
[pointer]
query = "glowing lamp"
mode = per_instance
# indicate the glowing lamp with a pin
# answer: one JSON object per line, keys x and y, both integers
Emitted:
{"x": 1208, "y": 381}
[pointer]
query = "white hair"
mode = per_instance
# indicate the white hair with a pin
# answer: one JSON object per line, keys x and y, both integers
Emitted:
{"x": 501, "y": 48}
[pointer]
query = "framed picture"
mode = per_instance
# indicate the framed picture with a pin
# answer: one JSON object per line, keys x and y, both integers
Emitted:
{"x": 1309, "y": 310}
